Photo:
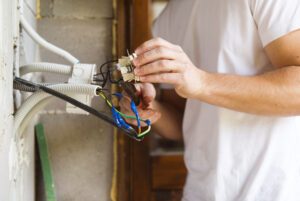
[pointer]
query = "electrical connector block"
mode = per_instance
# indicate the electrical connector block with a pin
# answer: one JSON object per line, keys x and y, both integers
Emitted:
{"x": 81, "y": 74}
{"x": 126, "y": 68}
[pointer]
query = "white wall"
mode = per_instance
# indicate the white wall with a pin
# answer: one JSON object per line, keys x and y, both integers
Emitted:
{"x": 6, "y": 99}
{"x": 19, "y": 188}
{"x": 94, "y": 152}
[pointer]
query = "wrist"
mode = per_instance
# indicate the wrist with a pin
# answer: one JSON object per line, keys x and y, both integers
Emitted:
{"x": 203, "y": 90}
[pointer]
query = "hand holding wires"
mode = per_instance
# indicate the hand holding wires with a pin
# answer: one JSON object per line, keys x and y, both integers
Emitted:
{"x": 126, "y": 68}
{"x": 118, "y": 116}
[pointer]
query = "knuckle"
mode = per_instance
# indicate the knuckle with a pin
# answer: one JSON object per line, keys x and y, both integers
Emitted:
{"x": 149, "y": 54}
{"x": 160, "y": 50}
{"x": 142, "y": 70}
{"x": 151, "y": 67}
{"x": 143, "y": 57}
{"x": 163, "y": 77}
{"x": 144, "y": 79}
{"x": 165, "y": 64}
{"x": 159, "y": 40}
{"x": 160, "y": 63}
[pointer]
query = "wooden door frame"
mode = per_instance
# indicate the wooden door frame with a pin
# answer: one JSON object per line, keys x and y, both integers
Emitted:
{"x": 134, "y": 165}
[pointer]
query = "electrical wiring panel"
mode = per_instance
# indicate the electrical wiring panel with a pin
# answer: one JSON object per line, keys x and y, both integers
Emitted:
{"x": 82, "y": 78}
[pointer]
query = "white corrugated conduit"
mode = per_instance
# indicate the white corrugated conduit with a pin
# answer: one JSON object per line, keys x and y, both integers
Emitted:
{"x": 45, "y": 67}
{"x": 24, "y": 113}
{"x": 42, "y": 42}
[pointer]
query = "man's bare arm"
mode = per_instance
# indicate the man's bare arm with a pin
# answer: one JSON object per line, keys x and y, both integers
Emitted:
{"x": 272, "y": 93}
{"x": 171, "y": 106}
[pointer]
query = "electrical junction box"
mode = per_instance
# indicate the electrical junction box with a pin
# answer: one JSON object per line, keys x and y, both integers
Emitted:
{"x": 81, "y": 74}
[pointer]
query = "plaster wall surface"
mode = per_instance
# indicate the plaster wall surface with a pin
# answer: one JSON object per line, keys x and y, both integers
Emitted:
{"x": 6, "y": 98}
{"x": 21, "y": 188}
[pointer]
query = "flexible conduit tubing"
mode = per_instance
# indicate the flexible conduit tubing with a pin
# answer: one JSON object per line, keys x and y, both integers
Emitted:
{"x": 45, "y": 67}
{"x": 24, "y": 88}
{"x": 41, "y": 41}
{"x": 36, "y": 109}
{"x": 39, "y": 96}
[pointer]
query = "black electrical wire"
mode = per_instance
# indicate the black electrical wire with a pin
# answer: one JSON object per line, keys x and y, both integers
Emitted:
{"x": 22, "y": 87}
{"x": 131, "y": 133}
{"x": 106, "y": 75}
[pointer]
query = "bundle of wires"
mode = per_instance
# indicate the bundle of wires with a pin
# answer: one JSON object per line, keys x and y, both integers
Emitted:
{"x": 119, "y": 116}
{"x": 116, "y": 120}
{"x": 104, "y": 76}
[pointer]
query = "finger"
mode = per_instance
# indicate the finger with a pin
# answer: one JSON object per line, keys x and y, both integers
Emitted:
{"x": 139, "y": 88}
{"x": 126, "y": 108}
{"x": 161, "y": 66}
{"x": 148, "y": 114}
{"x": 166, "y": 78}
{"x": 154, "y": 43}
{"x": 148, "y": 92}
{"x": 160, "y": 53}
{"x": 151, "y": 115}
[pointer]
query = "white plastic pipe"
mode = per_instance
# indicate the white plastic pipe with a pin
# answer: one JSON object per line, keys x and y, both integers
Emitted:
{"x": 34, "y": 99}
{"x": 35, "y": 110}
{"x": 45, "y": 67}
{"x": 41, "y": 41}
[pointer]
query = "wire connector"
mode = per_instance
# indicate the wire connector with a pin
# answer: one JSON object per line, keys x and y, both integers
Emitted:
{"x": 126, "y": 68}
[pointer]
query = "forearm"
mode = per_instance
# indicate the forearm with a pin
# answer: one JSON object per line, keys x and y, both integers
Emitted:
{"x": 170, "y": 123}
{"x": 273, "y": 93}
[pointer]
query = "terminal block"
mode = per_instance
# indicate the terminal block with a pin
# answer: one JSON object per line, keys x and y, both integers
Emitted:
{"x": 126, "y": 68}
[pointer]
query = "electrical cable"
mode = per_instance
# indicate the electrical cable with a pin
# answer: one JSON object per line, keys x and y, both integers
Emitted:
{"x": 21, "y": 87}
{"x": 130, "y": 132}
{"x": 38, "y": 96}
{"x": 119, "y": 119}
{"x": 106, "y": 75}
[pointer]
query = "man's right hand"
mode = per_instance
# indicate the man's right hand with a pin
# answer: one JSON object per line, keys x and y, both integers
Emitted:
{"x": 146, "y": 109}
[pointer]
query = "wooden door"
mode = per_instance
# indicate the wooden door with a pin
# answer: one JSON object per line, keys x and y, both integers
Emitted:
{"x": 144, "y": 173}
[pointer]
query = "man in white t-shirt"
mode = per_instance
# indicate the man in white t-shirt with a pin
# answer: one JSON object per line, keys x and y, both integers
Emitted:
{"x": 237, "y": 64}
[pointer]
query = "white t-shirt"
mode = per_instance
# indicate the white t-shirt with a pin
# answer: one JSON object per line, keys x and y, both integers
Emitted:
{"x": 233, "y": 156}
